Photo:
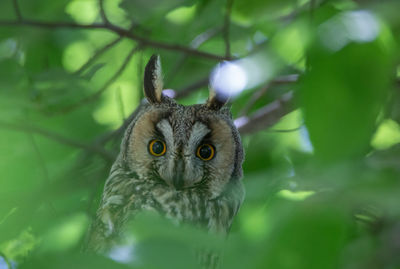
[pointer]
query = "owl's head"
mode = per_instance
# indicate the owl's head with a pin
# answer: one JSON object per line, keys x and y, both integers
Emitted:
{"x": 182, "y": 147}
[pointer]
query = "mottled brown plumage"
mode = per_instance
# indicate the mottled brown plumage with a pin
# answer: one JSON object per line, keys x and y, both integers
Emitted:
{"x": 179, "y": 184}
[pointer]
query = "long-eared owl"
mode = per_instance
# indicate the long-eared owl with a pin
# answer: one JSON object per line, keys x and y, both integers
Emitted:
{"x": 184, "y": 162}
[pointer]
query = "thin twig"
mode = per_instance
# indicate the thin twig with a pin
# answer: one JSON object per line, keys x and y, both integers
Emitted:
{"x": 261, "y": 92}
{"x": 226, "y": 31}
{"x": 97, "y": 54}
{"x": 267, "y": 115}
{"x": 285, "y": 130}
{"x": 201, "y": 38}
{"x": 17, "y": 10}
{"x": 57, "y": 137}
{"x": 97, "y": 94}
{"x": 103, "y": 13}
{"x": 115, "y": 29}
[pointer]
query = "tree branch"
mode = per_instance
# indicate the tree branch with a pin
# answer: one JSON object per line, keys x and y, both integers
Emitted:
{"x": 115, "y": 29}
{"x": 58, "y": 138}
{"x": 17, "y": 10}
{"x": 227, "y": 22}
{"x": 261, "y": 92}
{"x": 103, "y": 13}
{"x": 267, "y": 115}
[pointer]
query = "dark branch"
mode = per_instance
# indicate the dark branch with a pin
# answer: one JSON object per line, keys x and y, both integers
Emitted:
{"x": 267, "y": 115}
{"x": 17, "y": 10}
{"x": 57, "y": 137}
{"x": 103, "y": 13}
{"x": 227, "y": 22}
{"x": 115, "y": 29}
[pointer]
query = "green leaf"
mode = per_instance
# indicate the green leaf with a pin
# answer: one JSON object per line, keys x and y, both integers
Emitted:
{"x": 342, "y": 94}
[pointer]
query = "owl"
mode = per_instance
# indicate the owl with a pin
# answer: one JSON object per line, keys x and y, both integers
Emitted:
{"x": 184, "y": 162}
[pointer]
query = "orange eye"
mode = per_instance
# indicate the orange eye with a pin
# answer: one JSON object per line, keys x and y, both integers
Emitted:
{"x": 157, "y": 147}
{"x": 205, "y": 152}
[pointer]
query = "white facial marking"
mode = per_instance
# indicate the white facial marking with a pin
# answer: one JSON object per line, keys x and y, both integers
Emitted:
{"x": 166, "y": 129}
{"x": 198, "y": 132}
{"x": 167, "y": 170}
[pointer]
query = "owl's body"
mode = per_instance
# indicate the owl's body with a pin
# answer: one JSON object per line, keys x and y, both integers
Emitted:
{"x": 184, "y": 162}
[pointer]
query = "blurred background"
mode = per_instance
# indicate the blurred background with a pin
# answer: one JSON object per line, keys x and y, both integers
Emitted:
{"x": 315, "y": 95}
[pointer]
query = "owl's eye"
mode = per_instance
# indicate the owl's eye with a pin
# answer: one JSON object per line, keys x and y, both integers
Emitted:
{"x": 205, "y": 152}
{"x": 157, "y": 147}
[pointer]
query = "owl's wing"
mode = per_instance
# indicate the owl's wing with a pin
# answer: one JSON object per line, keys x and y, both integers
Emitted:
{"x": 113, "y": 211}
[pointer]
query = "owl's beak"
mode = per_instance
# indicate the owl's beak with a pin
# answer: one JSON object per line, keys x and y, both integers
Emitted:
{"x": 178, "y": 180}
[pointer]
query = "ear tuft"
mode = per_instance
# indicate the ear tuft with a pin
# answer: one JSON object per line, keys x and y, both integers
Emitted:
{"x": 216, "y": 100}
{"x": 153, "y": 81}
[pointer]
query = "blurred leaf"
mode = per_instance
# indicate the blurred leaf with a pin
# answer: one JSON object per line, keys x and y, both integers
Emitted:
{"x": 310, "y": 236}
{"x": 20, "y": 247}
{"x": 342, "y": 94}
{"x": 387, "y": 135}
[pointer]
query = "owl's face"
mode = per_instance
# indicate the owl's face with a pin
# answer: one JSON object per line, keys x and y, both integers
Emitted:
{"x": 180, "y": 146}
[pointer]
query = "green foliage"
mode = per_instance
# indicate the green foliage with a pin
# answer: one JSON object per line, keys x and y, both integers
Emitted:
{"x": 341, "y": 106}
{"x": 322, "y": 184}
